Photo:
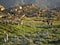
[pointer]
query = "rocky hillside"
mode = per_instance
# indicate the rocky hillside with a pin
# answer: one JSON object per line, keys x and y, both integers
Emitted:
{"x": 29, "y": 25}
{"x": 30, "y": 11}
